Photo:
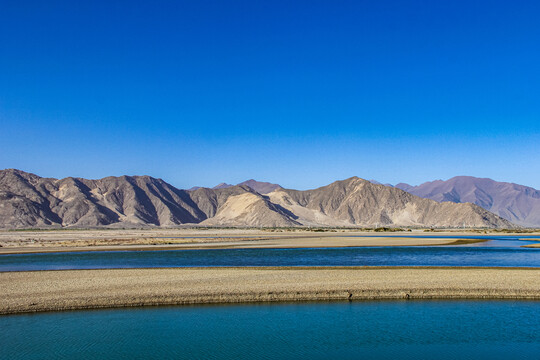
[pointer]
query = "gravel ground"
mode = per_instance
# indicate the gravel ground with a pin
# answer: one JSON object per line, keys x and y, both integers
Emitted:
{"x": 83, "y": 289}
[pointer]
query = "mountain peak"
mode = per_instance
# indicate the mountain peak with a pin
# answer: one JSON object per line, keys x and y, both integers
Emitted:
{"x": 17, "y": 172}
{"x": 260, "y": 186}
{"x": 353, "y": 180}
{"x": 222, "y": 186}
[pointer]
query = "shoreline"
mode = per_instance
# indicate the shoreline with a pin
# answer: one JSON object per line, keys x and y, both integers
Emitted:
{"x": 21, "y": 242}
{"x": 289, "y": 242}
{"x": 38, "y": 291}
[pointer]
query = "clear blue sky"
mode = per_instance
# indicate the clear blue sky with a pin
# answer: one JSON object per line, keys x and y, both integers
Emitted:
{"x": 301, "y": 93}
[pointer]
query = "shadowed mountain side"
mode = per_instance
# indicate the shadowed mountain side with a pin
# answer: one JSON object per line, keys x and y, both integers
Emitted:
{"x": 27, "y": 200}
{"x": 251, "y": 209}
{"x": 21, "y": 204}
{"x": 516, "y": 203}
{"x": 209, "y": 201}
{"x": 137, "y": 200}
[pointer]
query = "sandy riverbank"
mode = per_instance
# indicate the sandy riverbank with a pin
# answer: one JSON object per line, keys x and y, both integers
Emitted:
{"x": 83, "y": 289}
{"x": 174, "y": 239}
{"x": 277, "y": 243}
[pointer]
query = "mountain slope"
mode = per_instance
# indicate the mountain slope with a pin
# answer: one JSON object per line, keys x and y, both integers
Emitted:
{"x": 516, "y": 203}
{"x": 356, "y": 201}
{"x": 36, "y": 201}
{"x": 27, "y": 200}
{"x": 251, "y": 209}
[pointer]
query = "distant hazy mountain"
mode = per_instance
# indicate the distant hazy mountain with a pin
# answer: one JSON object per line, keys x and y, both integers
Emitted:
{"x": 517, "y": 203}
{"x": 222, "y": 186}
{"x": 27, "y": 200}
{"x": 403, "y": 186}
{"x": 379, "y": 183}
{"x": 258, "y": 186}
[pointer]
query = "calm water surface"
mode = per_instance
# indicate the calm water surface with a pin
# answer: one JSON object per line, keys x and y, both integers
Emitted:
{"x": 505, "y": 251}
{"x": 357, "y": 330}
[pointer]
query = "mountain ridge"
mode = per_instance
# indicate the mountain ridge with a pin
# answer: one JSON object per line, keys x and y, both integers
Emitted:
{"x": 27, "y": 200}
{"x": 519, "y": 204}
{"x": 260, "y": 186}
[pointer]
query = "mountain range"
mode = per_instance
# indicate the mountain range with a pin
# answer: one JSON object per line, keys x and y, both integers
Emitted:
{"x": 516, "y": 203}
{"x": 28, "y": 200}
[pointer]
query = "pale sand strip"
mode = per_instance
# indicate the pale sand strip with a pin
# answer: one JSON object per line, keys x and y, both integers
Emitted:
{"x": 282, "y": 242}
{"x": 84, "y": 289}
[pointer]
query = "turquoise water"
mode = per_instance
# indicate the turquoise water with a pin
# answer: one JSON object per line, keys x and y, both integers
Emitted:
{"x": 505, "y": 252}
{"x": 356, "y": 330}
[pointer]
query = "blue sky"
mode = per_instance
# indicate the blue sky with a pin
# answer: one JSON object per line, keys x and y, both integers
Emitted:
{"x": 301, "y": 93}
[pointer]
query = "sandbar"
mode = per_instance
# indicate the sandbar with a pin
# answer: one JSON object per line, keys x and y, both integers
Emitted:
{"x": 18, "y": 242}
{"x": 34, "y": 291}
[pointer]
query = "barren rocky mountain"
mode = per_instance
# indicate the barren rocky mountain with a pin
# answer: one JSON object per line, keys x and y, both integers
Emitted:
{"x": 516, "y": 203}
{"x": 360, "y": 202}
{"x": 27, "y": 200}
{"x": 252, "y": 209}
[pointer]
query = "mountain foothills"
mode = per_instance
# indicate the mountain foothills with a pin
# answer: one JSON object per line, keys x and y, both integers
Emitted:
{"x": 516, "y": 203}
{"x": 27, "y": 200}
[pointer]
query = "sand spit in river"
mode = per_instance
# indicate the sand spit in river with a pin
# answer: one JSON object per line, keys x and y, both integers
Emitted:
{"x": 109, "y": 240}
{"x": 83, "y": 289}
